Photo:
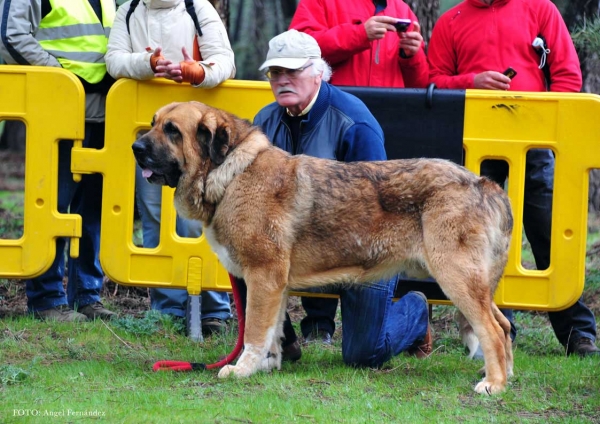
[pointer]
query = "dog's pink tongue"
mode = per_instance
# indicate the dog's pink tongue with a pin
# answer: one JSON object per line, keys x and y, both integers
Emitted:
{"x": 146, "y": 173}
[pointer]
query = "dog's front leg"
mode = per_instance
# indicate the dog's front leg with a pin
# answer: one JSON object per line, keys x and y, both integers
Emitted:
{"x": 273, "y": 358}
{"x": 262, "y": 349}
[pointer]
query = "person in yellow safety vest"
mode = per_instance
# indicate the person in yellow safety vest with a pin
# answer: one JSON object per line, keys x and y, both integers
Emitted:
{"x": 72, "y": 35}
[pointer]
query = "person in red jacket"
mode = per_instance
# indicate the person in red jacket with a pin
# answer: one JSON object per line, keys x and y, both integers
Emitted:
{"x": 471, "y": 45}
{"x": 360, "y": 42}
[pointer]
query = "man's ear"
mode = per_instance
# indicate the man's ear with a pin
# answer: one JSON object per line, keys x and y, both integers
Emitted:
{"x": 219, "y": 146}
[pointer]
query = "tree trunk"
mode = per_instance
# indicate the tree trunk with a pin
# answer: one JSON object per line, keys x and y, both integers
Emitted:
{"x": 255, "y": 23}
{"x": 222, "y": 7}
{"x": 428, "y": 12}
{"x": 575, "y": 14}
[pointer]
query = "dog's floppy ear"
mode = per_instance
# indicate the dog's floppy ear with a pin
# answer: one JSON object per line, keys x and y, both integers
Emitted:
{"x": 204, "y": 138}
{"x": 220, "y": 145}
{"x": 214, "y": 145}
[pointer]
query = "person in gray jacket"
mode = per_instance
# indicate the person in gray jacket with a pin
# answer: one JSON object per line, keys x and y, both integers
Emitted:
{"x": 37, "y": 33}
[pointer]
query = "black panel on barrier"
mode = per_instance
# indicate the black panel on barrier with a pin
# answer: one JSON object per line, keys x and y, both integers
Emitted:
{"x": 418, "y": 123}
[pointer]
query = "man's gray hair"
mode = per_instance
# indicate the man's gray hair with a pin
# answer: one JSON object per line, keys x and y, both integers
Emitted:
{"x": 319, "y": 65}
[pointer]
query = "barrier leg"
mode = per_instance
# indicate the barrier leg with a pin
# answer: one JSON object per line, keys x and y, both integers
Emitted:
{"x": 192, "y": 318}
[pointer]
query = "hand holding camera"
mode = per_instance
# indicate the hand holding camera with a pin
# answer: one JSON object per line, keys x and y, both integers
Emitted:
{"x": 494, "y": 80}
{"x": 410, "y": 41}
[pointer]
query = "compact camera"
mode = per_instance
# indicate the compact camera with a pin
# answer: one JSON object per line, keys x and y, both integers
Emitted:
{"x": 402, "y": 25}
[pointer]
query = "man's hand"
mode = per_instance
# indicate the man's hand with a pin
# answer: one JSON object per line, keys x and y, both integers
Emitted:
{"x": 411, "y": 41}
{"x": 171, "y": 70}
{"x": 378, "y": 26}
{"x": 491, "y": 80}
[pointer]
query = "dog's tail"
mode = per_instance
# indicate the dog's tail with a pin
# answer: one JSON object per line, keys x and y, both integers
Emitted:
{"x": 467, "y": 335}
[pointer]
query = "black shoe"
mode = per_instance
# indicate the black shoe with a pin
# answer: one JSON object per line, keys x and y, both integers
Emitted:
{"x": 291, "y": 352}
{"x": 318, "y": 336}
{"x": 583, "y": 347}
{"x": 212, "y": 326}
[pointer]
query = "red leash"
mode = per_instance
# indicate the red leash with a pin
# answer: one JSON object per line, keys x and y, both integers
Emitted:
{"x": 195, "y": 366}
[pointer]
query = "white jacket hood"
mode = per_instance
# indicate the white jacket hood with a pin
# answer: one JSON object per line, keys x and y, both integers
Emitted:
{"x": 162, "y": 4}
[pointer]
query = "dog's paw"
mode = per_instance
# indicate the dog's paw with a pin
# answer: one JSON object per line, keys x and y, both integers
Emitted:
{"x": 272, "y": 361}
{"x": 226, "y": 371}
{"x": 485, "y": 387}
{"x": 234, "y": 370}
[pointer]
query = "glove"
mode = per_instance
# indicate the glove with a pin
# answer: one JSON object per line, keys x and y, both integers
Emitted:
{"x": 192, "y": 72}
{"x": 154, "y": 59}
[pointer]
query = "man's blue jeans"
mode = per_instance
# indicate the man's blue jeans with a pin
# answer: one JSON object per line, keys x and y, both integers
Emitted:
{"x": 375, "y": 328}
{"x": 84, "y": 273}
{"x": 576, "y": 321}
{"x": 173, "y": 301}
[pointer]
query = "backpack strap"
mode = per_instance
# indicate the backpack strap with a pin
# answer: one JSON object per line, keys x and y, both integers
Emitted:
{"x": 46, "y": 8}
{"x": 189, "y": 6}
{"x": 132, "y": 7}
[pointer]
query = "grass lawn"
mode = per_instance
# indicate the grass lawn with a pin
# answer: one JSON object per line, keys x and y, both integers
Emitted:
{"x": 105, "y": 369}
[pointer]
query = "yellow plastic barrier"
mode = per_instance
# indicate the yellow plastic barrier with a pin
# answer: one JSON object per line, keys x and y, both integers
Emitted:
{"x": 506, "y": 126}
{"x": 51, "y": 103}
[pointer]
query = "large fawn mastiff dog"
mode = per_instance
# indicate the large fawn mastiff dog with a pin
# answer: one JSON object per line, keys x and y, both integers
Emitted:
{"x": 286, "y": 222}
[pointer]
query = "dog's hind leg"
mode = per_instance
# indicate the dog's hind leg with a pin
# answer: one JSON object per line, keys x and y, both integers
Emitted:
{"x": 266, "y": 294}
{"x": 505, "y": 325}
{"x": 469, "y": 291}
{"x": 471, "y": 341}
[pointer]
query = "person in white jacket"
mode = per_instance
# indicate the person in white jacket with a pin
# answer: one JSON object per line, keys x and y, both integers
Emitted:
{"x": 166, "y": 28}
{"x": 158, "y": 39}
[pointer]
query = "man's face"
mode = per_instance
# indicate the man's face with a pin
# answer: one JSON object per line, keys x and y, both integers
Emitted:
{"x": 294, "y": 88}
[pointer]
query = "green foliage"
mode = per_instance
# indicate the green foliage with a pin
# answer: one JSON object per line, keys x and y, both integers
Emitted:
{"x": 10, "y": 374}
{"x": 11, "y": 214}
{"x": 587, "y": 35}
{"x": 151, "y": 323}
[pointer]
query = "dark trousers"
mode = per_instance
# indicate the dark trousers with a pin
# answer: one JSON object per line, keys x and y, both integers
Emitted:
{"x": 576, "y": 321}
{"x": 320, "y": 314}
{"x": 84, "y": 273}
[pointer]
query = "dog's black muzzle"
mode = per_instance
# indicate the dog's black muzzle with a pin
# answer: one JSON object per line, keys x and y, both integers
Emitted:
{"x": 161, "y": 171}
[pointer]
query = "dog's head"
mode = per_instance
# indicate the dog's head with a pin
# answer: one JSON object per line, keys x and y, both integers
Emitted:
{"x": 186, "y": 138}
